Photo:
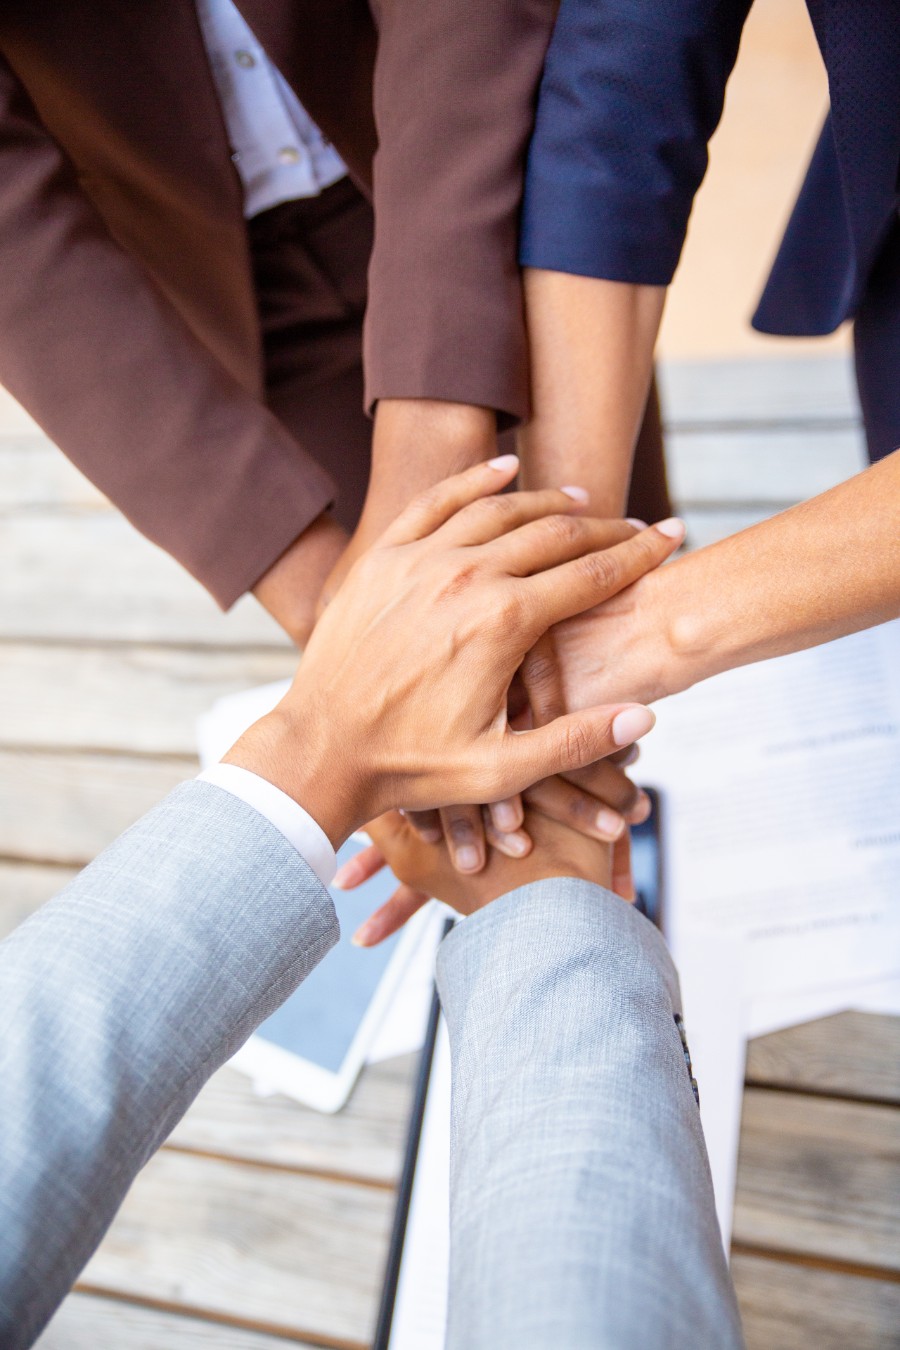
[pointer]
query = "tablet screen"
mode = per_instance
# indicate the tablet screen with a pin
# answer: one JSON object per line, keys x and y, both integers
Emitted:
{"x": 320, "y": 1019}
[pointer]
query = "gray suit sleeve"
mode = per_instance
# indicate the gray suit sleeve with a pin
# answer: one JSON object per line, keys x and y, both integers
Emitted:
{"x": 582, "y": 1208}
{"x": 117, "y": 1001}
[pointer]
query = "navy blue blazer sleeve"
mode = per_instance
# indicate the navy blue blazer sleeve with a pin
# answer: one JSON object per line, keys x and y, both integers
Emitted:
{"x": 631, "y": 93}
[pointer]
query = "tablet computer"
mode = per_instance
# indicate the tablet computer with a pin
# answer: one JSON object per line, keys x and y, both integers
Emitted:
{"x": 313, "y": 1047}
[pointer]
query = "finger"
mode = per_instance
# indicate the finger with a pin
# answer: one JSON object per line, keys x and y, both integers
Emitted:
{"x": 622, "y": 878}
{"x": 625, "y": 758}
{"x": 361, "y": 867}
{"x": 515, "y": 844}
{"x": 572, "y": 806}
{"x": 609, "y": 784}
{"x": 568, "y": 743}
{"x": 486, "y": 520}
{"x": 560, "y": 592}
{"x": 431, "y": 509}
{"x": 427, "y": 825}
{"x": 540, "y": 675}
{"x": 553, "y": 539}
{"x": 464, "y": 832}
{"x": 393, "y": 914}
{"x": 506, "y": 815}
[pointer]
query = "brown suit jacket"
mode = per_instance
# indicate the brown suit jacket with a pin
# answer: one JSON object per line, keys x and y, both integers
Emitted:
{"x": 128, "y": 323}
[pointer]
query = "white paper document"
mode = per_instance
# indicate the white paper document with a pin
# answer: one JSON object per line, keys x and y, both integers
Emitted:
{"x": 420, "y": 1307}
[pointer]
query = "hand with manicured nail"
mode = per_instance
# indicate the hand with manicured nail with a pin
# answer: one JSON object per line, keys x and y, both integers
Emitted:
{"x": 401, "y": 696}
{"x": 601, "y": 800}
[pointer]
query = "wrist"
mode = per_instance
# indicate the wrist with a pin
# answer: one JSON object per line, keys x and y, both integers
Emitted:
{"x": 302, "y": 757}
{"x": 290, "y": 589}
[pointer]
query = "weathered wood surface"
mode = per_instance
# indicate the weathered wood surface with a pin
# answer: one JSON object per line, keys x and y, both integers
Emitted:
{"x": 796, "y": 390}
{"x": 143, "y": 699}
{"x": 819, "y": 1177}
{"x": 794, "y": 1307}
{"x": 851, "y": 1055}
{"x": 88, "y": 1322}
{"x": 25, "y": 886}
{"x": 65, "y": 808}
{"x": 363, "y": 1142}
{"x": 85, "y": 578}
{"x": 278, "y": 1250}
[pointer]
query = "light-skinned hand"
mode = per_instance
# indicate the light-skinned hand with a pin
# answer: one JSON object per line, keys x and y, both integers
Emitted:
{"x": 401, "y": 695}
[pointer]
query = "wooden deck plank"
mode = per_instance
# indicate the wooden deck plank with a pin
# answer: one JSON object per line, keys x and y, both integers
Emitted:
{"x": 26, "y": 886}
{"x": 710, "y": 469}
{"x": 785, "y": 1306}
{"x": 92, "y": 577}
{"x": 853, "y": 1054}
{"x": 65, "y": 808}
{"x": 88, "y": 580}
{"x": 276, "y": 1250}
{"x": 363, "y": 1142}
{"x": 797, "y": 389}
{"x": 88, "y": 1322}
{"x": 33, "y": 473}
{"x": 820, "y": 1178}
{"x": 129, "y": 698}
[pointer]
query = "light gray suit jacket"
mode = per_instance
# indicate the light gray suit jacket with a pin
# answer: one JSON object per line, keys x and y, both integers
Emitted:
{"x": 582, "y": 1206}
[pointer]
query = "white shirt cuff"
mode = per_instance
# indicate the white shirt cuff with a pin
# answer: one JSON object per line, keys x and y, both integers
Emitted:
{"x": 297, "y": 825}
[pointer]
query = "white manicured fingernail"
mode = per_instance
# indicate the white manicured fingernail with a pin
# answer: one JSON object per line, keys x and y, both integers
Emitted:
{"x": 364, "y": 934}
{"x": 638, "y": 524}
{"x": 578, "y": 494}
{"x": 673, "y": 528}
{"x": 631, "y": 724}
{"x": 346, "y": 877}
{"x": 467, "y": 858}
{"x": 517, "y": 845}
{"x": 504, "y": 462}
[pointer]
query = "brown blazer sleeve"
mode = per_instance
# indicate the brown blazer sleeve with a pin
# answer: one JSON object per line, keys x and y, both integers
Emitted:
{"x": 455, "y": 90}
{"x": 103, "y": 362}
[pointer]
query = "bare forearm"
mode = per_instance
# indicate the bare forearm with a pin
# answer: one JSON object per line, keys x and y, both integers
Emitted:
{"x": 418, "y": 443}
{"x": 828, "y": 567}
{"x": 591, "y": 345}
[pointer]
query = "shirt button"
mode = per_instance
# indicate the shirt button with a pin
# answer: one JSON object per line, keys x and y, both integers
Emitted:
{"x": 245, "y": 59}
{"x": 288, "y": 154}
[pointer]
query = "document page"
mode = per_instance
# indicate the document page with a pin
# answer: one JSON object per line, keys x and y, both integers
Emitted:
{"x": 420, "y": 1308}
{"x": 782, "y": 812}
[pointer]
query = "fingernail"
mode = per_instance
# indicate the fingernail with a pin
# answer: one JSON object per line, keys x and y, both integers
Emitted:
{"x": 578, "y": 494}
{"x": 365, "y": 934}
{"x": 516, "y": 845}
{"x": 506, "y": 817}
{"x": 346, "y": 876}
{"x": 631, "y": 758}
{"x": 431, "y": 834}
{"x": 609, "y": 823}
{"x": 641, "y": 809}
{"x": 467, "y": 858}
{"x": 638, "y": 524}
{"x": 632, "y": 723}
{"x": 673, "y": 528}
{"x": 504, "y": 462}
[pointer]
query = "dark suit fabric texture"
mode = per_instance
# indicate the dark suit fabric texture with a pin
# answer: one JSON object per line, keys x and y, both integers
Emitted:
{"x": 141, "y": 320}
{"x": 632, "y": 92}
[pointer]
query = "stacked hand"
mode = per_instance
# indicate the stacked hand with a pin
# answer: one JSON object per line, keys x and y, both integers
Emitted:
{"x": 401, "y": 696}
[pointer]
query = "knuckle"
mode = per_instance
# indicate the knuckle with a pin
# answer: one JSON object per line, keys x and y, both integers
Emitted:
{"x": 578, "y": 743}
{"x": 563, "y": 531}
{"x": 600, "y": 569}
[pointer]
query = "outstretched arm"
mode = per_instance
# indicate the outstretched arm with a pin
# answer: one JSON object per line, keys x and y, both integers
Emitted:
{"x": 825, "y": 568}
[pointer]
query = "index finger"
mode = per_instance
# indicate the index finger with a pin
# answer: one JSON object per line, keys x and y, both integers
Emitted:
{"x": 431, "y": 509}
{"x": 573, "y": 587}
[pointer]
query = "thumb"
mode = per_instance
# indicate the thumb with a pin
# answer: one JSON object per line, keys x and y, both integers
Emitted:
{"x": 572, "y": 742}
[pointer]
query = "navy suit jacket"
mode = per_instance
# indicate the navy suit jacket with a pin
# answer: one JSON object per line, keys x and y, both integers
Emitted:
{"x": 632, "y": 92}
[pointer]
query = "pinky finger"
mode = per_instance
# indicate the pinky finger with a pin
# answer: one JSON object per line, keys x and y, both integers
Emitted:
{"x": 359, "y": 868}
{"x": 393, "y": 914}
